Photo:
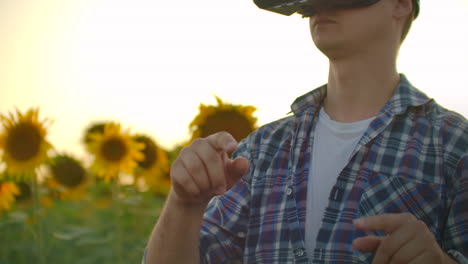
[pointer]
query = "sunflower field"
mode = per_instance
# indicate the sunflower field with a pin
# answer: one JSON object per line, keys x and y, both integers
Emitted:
{"x": 56, "y": 208}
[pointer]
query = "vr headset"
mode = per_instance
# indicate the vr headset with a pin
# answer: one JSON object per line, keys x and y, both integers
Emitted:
{"x": 311, "y": 7}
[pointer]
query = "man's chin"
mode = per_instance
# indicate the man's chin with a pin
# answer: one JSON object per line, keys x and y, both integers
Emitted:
{"x": 329, "y": 48}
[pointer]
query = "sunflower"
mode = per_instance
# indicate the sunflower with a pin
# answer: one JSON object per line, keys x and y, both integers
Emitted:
{"x": 23, "y": 142}
{"x": 8, "y": 191}
{"x": 114, "y": 151}
{"x": 94, "y": 128}
{"x": 154, "y": 168}
{"x": 68, "y": 177}
{"x": 25, "y": 192}
{"x": 238, "y": 120}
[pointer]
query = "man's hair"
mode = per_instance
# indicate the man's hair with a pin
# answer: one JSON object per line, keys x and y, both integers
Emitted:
{"x": 408, "y": 22}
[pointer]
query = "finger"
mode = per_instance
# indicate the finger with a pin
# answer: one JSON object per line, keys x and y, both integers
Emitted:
{"x": 387, "y": 223}
{"x": 236, "y": 169}
{"x": 423, "y": 258}
{"x": 214, "y": 165}
{"x": 408, "y": 252}
{"x": 196, "y": 169}
{"x": 222, "y": 141}
{"x": 182, "y": 181}
{"x": 398, "y": 240}
{"x": 367, "y": 244}
{"x": 422, "y": 240}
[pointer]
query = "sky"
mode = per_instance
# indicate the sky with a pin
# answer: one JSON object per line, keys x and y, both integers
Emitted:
{"x": 149, "y": 64}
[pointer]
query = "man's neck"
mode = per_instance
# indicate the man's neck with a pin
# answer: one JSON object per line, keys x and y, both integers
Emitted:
{"x": 358, "y": 88}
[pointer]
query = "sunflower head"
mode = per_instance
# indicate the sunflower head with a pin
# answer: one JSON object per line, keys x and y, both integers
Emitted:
{"x": 154, "y": 167}
{"x": 238, "y": 120}
{"x": 8, "y": 191}
{"x": 114, "y": 150}
{"x": 23, "y": 142}
{"x": 67, "y": 171}
{"x": 25, "y": 192}
{"x": 154, "y": 155}
{"x": 94, "y": 128}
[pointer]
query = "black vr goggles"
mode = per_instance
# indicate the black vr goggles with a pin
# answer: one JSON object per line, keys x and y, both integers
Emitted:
{"x": 310, "y": 7}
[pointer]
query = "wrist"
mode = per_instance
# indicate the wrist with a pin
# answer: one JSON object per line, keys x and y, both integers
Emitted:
{"x": 175, "y": 202}
{"x": 447, "y": 259}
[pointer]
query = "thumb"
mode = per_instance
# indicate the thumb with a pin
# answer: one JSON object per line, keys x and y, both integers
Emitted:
{"x": 367, "y": 244}
{"x": 235, "y": 169}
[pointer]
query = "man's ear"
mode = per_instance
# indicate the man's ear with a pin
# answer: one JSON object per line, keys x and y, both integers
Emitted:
{"x": 402, "y": 8}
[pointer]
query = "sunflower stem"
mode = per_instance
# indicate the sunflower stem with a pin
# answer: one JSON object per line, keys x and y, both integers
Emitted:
{"x": 118, "y": 223}
{"x": 37, "y": 219}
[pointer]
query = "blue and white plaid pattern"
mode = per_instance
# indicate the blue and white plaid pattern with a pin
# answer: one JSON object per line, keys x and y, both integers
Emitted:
{"x": 413, "y": 158}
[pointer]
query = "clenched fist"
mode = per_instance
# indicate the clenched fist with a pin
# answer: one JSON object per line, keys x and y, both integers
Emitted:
{"x": 203, "y": 169}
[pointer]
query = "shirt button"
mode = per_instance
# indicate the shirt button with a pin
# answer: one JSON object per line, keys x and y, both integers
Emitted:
{"x": 299, "y": 253}
{"x": 289, "y": 191}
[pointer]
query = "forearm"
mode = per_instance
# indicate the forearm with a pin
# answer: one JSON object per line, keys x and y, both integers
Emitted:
{"x": 175, "y": 238}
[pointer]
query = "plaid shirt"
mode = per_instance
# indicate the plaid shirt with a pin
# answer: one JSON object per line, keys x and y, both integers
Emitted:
{"x": 412, "y": 158}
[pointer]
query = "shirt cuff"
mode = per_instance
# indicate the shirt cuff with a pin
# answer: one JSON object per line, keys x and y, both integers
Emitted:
{"x": 457, "y": 256}
{"x": 143, "y": 261}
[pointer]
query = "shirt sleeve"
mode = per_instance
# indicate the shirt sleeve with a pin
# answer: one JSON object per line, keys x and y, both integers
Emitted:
{"x": 143, "y": 260}
{"x": 456, "y": 229}
{"x": 224, "y": 227}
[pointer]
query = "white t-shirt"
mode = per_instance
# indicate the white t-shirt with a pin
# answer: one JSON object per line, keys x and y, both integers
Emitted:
{"x": 333, "y": 145}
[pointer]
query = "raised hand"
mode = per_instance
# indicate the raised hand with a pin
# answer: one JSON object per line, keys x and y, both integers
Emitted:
{"x": 204, "y": 169}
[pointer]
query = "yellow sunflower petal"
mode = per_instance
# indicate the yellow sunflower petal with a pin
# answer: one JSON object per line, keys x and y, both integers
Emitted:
{"x": 238, "y": 120}
{"x": 23, "y": 142}
{"x": 8, "y": 190}
{"x": 114, "y": 151}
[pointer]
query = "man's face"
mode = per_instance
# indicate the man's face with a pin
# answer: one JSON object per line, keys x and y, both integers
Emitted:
{"x": 338, "y": 32}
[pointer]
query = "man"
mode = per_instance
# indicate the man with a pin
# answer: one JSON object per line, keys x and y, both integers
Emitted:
{"x": 367, "y": 169}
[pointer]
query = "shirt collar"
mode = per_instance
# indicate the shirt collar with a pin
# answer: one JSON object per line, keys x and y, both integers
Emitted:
{"x": 405, "y": 96}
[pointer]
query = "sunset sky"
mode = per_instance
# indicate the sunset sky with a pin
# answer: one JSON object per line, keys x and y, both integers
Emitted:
{"x": 149, "y": 64}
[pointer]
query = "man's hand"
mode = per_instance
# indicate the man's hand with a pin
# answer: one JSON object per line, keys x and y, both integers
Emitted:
{"x": 204, "y": 169}
{"x": 408, "y": 240}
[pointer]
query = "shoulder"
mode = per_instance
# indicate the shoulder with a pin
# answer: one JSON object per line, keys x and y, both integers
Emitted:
{"x": 265, "y": 142}
{"x": 451, "y": 130}
{"x": 268, "y": 136}
{"x": 448, "y": 127}
{"x": 451, "y": 126}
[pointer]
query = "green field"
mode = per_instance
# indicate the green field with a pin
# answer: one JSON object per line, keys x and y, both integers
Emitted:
{"x": 95, "y": 229}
